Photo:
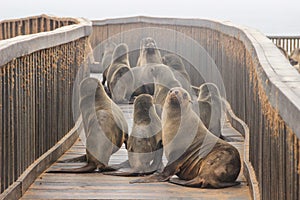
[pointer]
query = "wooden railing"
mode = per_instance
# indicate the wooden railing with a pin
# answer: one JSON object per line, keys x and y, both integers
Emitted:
{"x": 260, "y": 85}
{"x": 31, "y": 25}
{"x": 37, "y": 75}
{"x": 288, "y": 43}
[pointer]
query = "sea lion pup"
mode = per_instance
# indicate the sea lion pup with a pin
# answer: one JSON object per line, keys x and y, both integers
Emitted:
{"x": 120, "y": 80}
{"x": 194, "y": 154}
{"x": 295, "y": 58}
{"x": 175, "y": 63}
{"x": 149, "y": 53}
{"x": 104, "y": 124}
{"x": 107, "y": 58}
{"x": 210, "y": 108}
{"x": 145, "y": 143}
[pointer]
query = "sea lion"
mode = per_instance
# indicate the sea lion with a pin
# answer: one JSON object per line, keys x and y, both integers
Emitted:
{"x": 144, "y": 145}
{"x": 164, "y": 79}
{"x": 104, "y": 124}
{"x": 194, "y": 154}
{"x": 295, "y": 58}
{"x": 109, "y": 48}
{"x": 176, "y": 64}
{"x": 149, "y": 53}
{"x": 120, "y": 79}
{"x": 210, "y": 108}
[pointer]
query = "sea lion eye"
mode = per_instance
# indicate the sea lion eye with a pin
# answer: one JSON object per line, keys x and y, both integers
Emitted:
{"x": 185, "y": 95}
{"x": 170, "y": 91}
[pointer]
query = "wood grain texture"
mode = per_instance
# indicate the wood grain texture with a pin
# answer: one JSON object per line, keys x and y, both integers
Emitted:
{"x": 98, "y": 186}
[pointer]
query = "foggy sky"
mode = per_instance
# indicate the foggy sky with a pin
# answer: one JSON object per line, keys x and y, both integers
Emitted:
{"x": 270, "y": 17}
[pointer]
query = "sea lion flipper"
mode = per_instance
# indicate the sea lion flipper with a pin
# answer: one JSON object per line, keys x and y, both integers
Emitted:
{"x": 127, "y": 172}
{"x": 159, "y": 177}
{"x": 196, "y": 182}
{"x": 81, "y": 158}
{"x": 225, "y": 184}
{"x": 89, "y": 167}
{"x": 202, "y": 183}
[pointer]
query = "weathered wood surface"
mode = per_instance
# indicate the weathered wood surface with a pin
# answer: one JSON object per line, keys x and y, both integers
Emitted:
{"x": 98, "y": 186}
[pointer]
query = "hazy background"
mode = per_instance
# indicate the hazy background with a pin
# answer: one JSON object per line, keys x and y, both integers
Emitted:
{"x": 272, "y": 17}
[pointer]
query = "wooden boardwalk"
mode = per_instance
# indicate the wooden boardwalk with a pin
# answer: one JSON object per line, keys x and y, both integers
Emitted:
{"x": 98, "y": 186}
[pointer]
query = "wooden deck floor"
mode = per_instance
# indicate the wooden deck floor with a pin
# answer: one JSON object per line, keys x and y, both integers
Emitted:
{"x": 98, "y": 186}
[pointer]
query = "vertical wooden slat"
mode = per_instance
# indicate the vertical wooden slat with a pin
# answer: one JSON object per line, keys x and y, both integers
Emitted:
{"x": 4, "y": 31}
{"x": 17, "y": 117}
{"x": 1, "y": 128}
{"x": 9, "y": 126}
{"x": 13, "y": 122}
{"x": 12, "y": 29}
{"x": 5, "y": 131}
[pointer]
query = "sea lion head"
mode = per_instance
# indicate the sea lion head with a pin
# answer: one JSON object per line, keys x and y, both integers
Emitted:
{"x": 143, "y": 102}
{"x": 142, "y": 106}
{"x": 120, "y": 53}
{"x": 295, "y": 57}
{"x": 208, "y": 89}
{"x": 92, "y": 87}
{"x": 148, "y": 45}
{"x": 172, "y": 61}
{"x": 178, "y": 97}
{"x": 88, "y": 86}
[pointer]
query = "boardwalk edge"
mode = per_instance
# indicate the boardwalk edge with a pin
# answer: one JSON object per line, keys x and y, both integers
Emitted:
{"x": 19, "y": 187}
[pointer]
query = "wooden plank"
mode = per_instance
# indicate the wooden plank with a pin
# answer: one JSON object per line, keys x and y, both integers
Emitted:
{"x": 97, "y": 185}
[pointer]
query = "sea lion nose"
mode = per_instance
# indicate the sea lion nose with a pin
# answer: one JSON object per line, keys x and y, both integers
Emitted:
{"x": 293, "y": 62}
{"x": 174, "y": 92}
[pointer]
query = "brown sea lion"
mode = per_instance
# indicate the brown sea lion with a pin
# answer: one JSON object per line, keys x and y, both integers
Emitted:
{"x": 144, "y": 145}
{"x": 149, "y": 53}
{"x": 295, "y": 58}
{"x": 104, "y": 124}
{"x": 210, "y": 108}
{"x": 109, "y": 48}
{"x": 164, "y": 79}
{"x": 194, "y": 154}
{"x": 119, "y": 84}
{"x": 176, "y": 64}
